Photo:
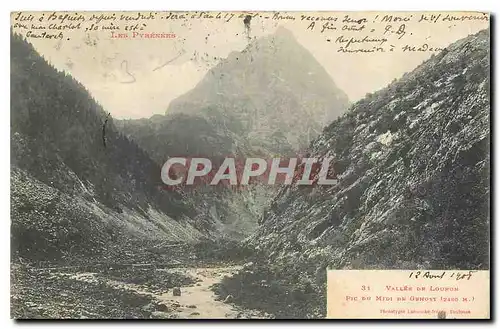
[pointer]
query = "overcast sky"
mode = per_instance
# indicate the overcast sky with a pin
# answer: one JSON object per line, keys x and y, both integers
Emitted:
{"x": 134, "y": 78}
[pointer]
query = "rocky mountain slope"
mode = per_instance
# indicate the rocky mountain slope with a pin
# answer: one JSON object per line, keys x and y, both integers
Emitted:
{"x": 413, "y": 168}
{"x": 76, "y": 187}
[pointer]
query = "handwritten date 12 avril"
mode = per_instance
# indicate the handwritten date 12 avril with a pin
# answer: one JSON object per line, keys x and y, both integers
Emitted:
{"x": 459, "y": 275}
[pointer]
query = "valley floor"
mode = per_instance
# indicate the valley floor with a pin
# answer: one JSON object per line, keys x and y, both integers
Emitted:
{"x": 133, "y": 291}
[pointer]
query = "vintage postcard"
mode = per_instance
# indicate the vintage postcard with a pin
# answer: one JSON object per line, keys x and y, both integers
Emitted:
{"x": 250, "y": 165}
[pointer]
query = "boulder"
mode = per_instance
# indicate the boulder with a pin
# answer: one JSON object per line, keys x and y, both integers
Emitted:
{"x": 162, "y": 307}
{"x": 160, "y": 315}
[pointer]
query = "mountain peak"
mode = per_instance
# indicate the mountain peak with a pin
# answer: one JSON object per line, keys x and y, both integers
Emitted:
{"x": 273, "y": 84}
{"x": 284, "y": 32}
{"x": 281, "y": 39}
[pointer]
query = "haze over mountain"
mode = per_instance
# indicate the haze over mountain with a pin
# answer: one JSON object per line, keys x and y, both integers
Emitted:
{"x": 272, "y": 97}
{"x": 271, "y": 86}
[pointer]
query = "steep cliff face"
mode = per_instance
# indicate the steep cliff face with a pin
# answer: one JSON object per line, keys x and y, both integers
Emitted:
{"x": 77, "y": 184}
{"x": 413, "y": 168}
